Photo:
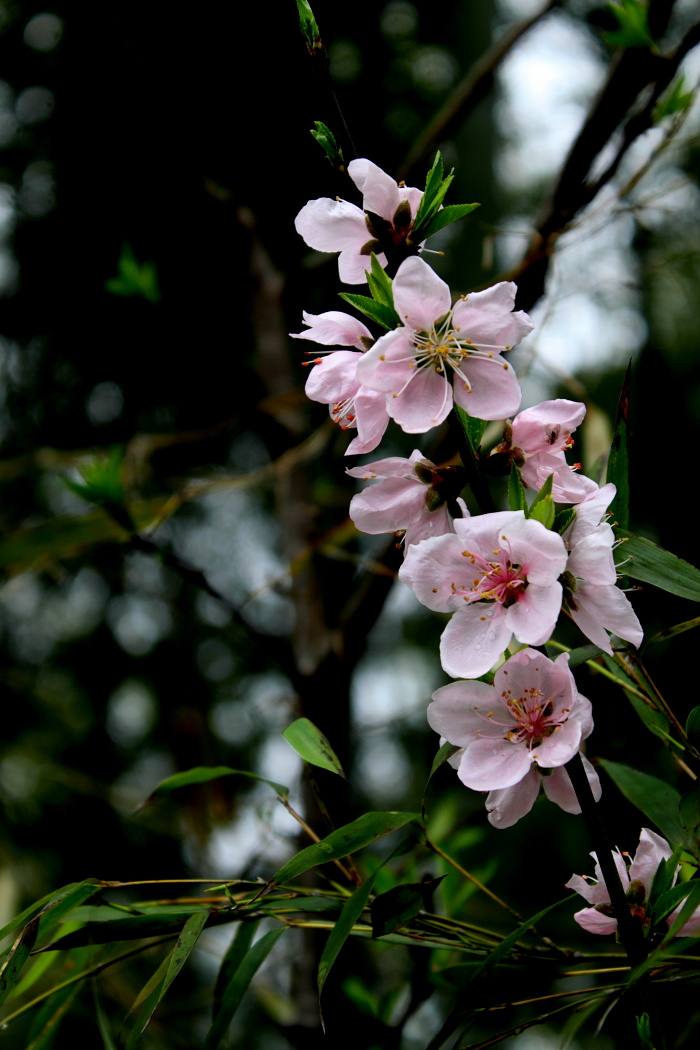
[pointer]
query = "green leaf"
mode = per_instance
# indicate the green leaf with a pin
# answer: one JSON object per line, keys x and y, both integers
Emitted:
{"x": 446, "y": 216}
{"x": 644, "y": 1031}
{"x": 671, "y": 632}
{"x": 202, "y": 775}
{"x": 237, "y": 986}
{"x": 133, "y": 928}
{"x": 690, "y": 815}
{"x": 473, "y": 428}
{"x": 102, "y": 479}
{"x": 17, "y": 957}
{"x": 400, "y": 904}
{"x": 352, "y": 910}
{"x": 657, "y": 800}
{"x": 468, "y": 999}
{"x": 674, "y": 100}
{"x": 309, "y": 742}
{"x": 233, "y": 958}
{"x": 102, "y": 1022}
{"x": 516, "y": 491}
{"x": 69, "y": 897}
{"x": 631, "y": 17}
{"x": 654, "y": 564}
{"x": 669, "y": 900}
{"x": 543, "y": 512}
{"x": 134, "y": 278}
{"x": 309, "y": 26}
{"x": 692, "y": 727}
{"x": 563, "y": 519}
{"x": 386, "y": 316}
{"x": 344, "y": 841}
{"x": 582, "y": 655}
{"x": 691, "y": 904}
{"x": 655, "y": 721}
{"x": 328, "y": 143}
{"x": 446, "y": 751}
{"x": 167, "y": 972}
{"x": 433, "y": 182}
{"x": 380, "y": 284}
{"x": 48, "y": 1017}
{"x": 618, "y": 462}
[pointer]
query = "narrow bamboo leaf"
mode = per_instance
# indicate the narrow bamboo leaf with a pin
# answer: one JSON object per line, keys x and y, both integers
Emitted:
{"x": 202, "y": 775}
{"x": 671, "y": 632}
{"x": 233, "y": 958}
{"x": 669, "y": 901}
{"x": 146, "y": 1002}
{"x": 582, "y": 655}
{"x": 237, "y": 986}
{"x": 465, "y": 1002}
{"x": 309, "y": 742}
{"x": 134, "y": 928}
{"x": 690, "y": 815}
{"x": 400, "y": 904}
{"x": 172, "y": 965}
{"x": 352, "y": 910}
{"x": 48, "y": 1018}
{"x": 73, "y": 894}
{"x": 618, "y": 463}
{"x": 433, "y": 181}
{"x": 18, "y": 955}
{"x": 657, "y": 800}
{"x": 656, "y": 565}
{"x": 473, "y": 428}
{"x": 346, "y": 840}
{"x": 691, "y": 904}
{"x": 446, "y": 751}
{"x": 516, "y": 491}
{"x": 655, "y": 721}
{"x": 102, "y": 1022}
{"x": 386, "y": 316}
{"x": 380, "y": 283}
{"x": 445, "y": 217}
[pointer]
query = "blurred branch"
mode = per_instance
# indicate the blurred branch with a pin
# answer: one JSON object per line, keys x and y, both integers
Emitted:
{"x": 474, "y": 86}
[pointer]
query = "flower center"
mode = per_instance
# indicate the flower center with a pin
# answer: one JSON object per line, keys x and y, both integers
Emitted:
{"x": 533, "y": 716}
{"x": 500, "y": 581}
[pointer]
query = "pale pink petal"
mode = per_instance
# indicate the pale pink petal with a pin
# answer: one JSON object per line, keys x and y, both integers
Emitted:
{"x": 605, "y": 608}
{"x": 391, "y": 467}
{"x": 429, "y": 523}
{"x": 592, "y": 560}
{"x": 652, "y": 849}
{"x": 506, "y": 806}
{"x": 388, "y": 365}
{"x": 487, "y": 318}
{"x": 593, "y": 892}
{"x": 589, "y": 513}
{"x": 371, "y": 419}
{"x": 560, "y": 747}
{"x": 389, "y": 506}
{"x": 425, "y": 403}
{"x": 595, "y": 922}
{"x": 456, "y": 710}
{"x": 353, "y": 267}
{"x": 533, "y": 619}
{"x": 420, "y": 296}
{"x": 334, "y": 328}
{"x": 332, "y": 226}
{"x": 379, "y": 191}
{"x": 559, "y": 789}
{"x": 490, "y": 763}
{"x": 474, "y": 639}
{"x": 547, "y": 426}
{"x": 430, "y": 570}
{"x": 540, "y": 551}
{"x": 493, "y": 390}
{"x": 334, "y": 378}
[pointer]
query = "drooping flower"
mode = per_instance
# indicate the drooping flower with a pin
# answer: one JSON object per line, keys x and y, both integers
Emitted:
{"x": 442, "y": 353}
{"x": 499, "y": 575}
{"x": 413, "y": 498}
{"x": 536, "y": 441}
{"x": 517, "y": 733}
{"x": 595, "y": 603}
{"x": 338, "y": 226}
{"x": 333, "y": 379}
{"x": 636, "y": 881}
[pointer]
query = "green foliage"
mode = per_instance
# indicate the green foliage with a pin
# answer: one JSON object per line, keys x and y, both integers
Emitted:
{"x": 309, "y": 742}
{"x": 236, "y": 985}
{"x": 516, "y": 491}
{"x": 380, "y": 284}
{"x": 633, "y": 25}
{"x": 542, "y": 508}
{"x": 102, "y": 479}
{"x": 400, "y": 904}
{"x": 134, "y": 278}
{"x": 674, "y": 100}
{"x": 692, "y": 727}
{"x": 328, "y": 143}
{"x": 309, "y": 26}
{"x": 654, "y": 564}
{"x": 429, "y": 217}
{"x": 562, "y": 520}
{"x": 341, "y": 843}
{"x": 202, "y": 775}
{"x": 386, "y": 316}
{"x": 352, "y": 910}
{"x": 657, "y": 800}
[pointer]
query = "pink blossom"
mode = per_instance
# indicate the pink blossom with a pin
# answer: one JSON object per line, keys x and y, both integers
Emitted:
{"x": 442, "y": 353}
{"x": 499, "y": 575}
{"x": 409, "y": 500}
{"x": 595, "y": 603}
{"x": 531, "y": 719}
{"x": 636, "y": 881}
{"x": 337, "y": 226}
{"x": 333, "y": 379}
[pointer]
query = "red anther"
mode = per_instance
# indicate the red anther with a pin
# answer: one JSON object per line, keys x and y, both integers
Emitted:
{"x": 577, "y": 466}
{"x": 351, "y": 419}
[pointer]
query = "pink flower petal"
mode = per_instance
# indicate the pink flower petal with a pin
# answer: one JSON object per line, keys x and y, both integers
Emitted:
{"x": 487, "y": 317}
{"x": 332, "y": 226}
{"x": 420, "y": 296}
{"x": 506, "y": 806}
{"x": 473, "y": 640}
{"x": 490, "y": 763}
{"x": 492, "y": 390}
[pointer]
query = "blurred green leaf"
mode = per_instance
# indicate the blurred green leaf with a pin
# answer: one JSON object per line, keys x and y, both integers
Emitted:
{"x": 68, "y": 896}
{"x": 654, "y": 564}
{"x": 343, "y": 842}
{"x": 309, "y": 742}
{"x": 202, "y": 775}
{"x": 657, "y": 800}
{"x": 692, "y": 727}
{"x": 102, "y": 479}
{"x": 400, "y": 904}
{"x": 386, "y": 316}
{"x": 632, "y": 19}
{"x": 671, "y": 632}
{"x": 237, "y": 986}
{"x": 48, "y": 1017}
{"x": 618, "y": 461}
{"x": 134, "y": 278}
{"x": 352, "y": 910}
{"x": 674, "y": 100}
{"x": 516, "y": 491}
{"x": 233, "y": 958}
{"x": 17, "y": 958}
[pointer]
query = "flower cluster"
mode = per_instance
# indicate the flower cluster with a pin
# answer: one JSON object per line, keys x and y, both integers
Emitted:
{"x": 504, "y": 577}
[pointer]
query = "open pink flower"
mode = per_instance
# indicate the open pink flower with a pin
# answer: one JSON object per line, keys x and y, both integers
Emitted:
{"x": 636, "y": 881}
{"x": 337, "y": 226}
{"x": 333, "y": 379}
{"x": 537, "y": 440}
{"x": 531, "y": 719}
{"x": 441, "y": 353}
{"x": 499, "y": 575}
{"x": 408, "y": 500}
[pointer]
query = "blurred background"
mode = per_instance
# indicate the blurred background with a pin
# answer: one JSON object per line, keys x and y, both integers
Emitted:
{"x": 151, "y": 166}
